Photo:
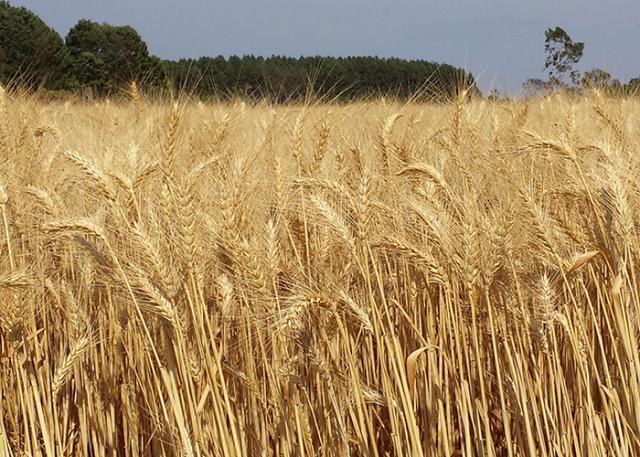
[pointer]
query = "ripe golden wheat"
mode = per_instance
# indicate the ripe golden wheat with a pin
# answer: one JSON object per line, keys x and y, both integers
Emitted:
{"x": 365, "y": 279}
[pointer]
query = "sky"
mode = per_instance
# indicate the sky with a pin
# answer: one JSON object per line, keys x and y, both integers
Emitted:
{"x": 500, "y": 41}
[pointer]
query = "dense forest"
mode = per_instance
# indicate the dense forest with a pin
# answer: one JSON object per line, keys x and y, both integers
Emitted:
{"x": 283, "y": 78}
{"x": 100, "y": 59}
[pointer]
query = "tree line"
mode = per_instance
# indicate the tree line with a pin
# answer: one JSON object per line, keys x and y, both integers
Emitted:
{"x": 283, "y": 78}
{"x": 101, "y": 59}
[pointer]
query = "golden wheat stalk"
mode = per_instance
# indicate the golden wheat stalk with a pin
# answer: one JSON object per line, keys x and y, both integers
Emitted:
{"x": 65, "y": 367}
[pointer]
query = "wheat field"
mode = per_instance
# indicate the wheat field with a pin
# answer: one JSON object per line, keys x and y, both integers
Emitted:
{"x": 366, "y": 279}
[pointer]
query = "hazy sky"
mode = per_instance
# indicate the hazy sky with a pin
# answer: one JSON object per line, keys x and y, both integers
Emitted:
{"x": 500, "y": 41}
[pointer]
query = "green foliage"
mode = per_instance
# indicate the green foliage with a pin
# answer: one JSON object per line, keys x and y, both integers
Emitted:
{"x": 562, "y": 54}
{"x": 600, "y": 79}
{"x": 106, "y": 58}
{"x": 30, "y": 51}
{"x": 283, "y": 79}
{"x": 90, "y": 71}
{"x": 102, "y": 59}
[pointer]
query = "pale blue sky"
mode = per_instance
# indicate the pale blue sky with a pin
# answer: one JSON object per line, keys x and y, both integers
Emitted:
{"x": 500, "y": 41}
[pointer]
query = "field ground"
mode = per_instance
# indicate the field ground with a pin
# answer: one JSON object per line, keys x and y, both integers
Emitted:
{"x": 366, "y": 279}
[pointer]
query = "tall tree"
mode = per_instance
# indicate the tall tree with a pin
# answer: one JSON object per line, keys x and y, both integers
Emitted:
{"x": 106, "y": 57}
{"x": 562, "y": 54}
{"x": 29, "y": 50}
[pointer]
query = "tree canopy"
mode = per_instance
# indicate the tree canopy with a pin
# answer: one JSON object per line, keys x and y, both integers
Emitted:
{"x": 31, "y": 50}
{"x": 599, "y": 79}
{"x": 562, "y": 54}
{"x": 284, "y": 78}
{"x": 106, "y": 57}
{"x": 102, "y": 59}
